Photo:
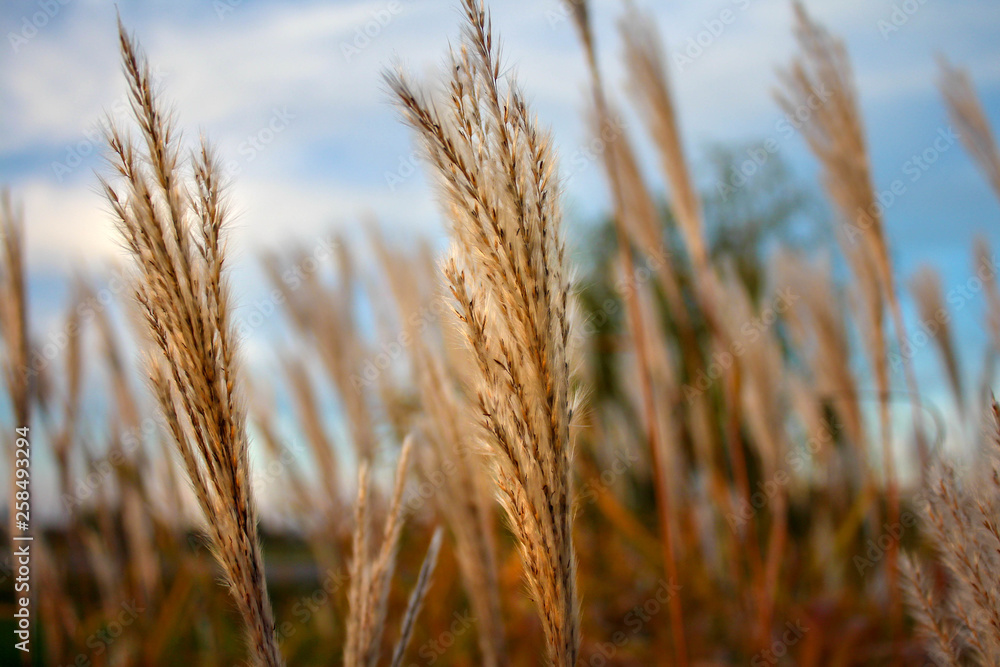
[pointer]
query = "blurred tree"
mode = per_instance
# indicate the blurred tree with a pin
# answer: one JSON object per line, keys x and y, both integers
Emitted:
{"x": 753, "y": 205}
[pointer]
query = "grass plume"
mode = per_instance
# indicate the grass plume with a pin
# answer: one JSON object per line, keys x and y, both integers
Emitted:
{"x": 173, "y": 227}
{"x": 496, "y": 178}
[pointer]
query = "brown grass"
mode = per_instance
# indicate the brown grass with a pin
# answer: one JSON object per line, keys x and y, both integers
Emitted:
{"x": 654, "y": 483}
{"x": 451, "y": 457}
{"x": 496, "y": 177}
{"x": 636, "y": 218}
{"x": 821, "y": 80}
{"x": 371, "y": 573}
{"x": 173, "y": 228}
{"x": 14, "y": 328}
{"x": 969, "y": 117}
{"x": 961, "y": 516}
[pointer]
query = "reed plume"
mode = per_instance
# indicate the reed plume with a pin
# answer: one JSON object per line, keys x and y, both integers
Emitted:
{"x": 14, "y": 310}
{"x": 820, "y": 330}
{"x": 450, "y": 456}
{"x": 371, "y": 573}
{"x": 14, "y": 334}
{"x": 926, "y": 288}
{"x": 173, "y": 226}
{"x": 967, "y": 113}
{"x": 821, "y": 80}
{"x": 14, "y": 331}
{"x": 985, "y": 261}
{"x": 496, "y": 177}
{"x": 650, "y": 88}
{"x": 324, "y": 315}
{"x": 960, "y": 516}
{"x": 822, "y": 76}
{"x": 636, "y": 218}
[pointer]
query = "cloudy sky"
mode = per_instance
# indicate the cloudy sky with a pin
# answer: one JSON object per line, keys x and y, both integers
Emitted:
{"x": 290, "y": 92}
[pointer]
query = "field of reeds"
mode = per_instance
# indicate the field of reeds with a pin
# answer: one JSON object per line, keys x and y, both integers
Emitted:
{"x": 692, "y": 448}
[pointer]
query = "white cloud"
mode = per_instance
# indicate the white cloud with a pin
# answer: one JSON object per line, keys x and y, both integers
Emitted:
{"x": 66, "y": 223}
{"x": 229, "y": 76}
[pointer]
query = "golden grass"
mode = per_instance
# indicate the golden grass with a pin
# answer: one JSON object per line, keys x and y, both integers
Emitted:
{"x": 506, "y": 270}
{"x": 173, "y": 228}
{"x": 629, "y": 462}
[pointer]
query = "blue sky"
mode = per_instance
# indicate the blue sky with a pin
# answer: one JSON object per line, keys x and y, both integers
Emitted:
{"x": 290, "y": 92}
{"x": 232, "y": 67}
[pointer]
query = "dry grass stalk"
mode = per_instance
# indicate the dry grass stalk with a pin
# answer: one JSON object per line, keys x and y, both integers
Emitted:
{"x": 371, "y": 575}
{"x": 636, "y": 213}
{"x": 14, "y": 334}
{"x": 650, "y": 88}
{"x": 835, "y": 135}
{"x": 463, "y": 500}
{"x": 639, "y": 213}
{"x": 14, "y": 330}
{"x": 967, "y": 113}
{"x": 451, "y": 458}
{"x": 821, "y": 80}
{"x": 324, "y": 315}
{"x": 983, "y": 256}
{"x": 116, "y": 364}
{"x": 960, "y": 516}
{"x": 497, "y": 181}
{"x": 927, "y": 613}
{"x": 301, "y": 494}
{"x": 173, "y": 228}
{"x": 62, "y": 441}
{"x": 819, "y": 331}
{"x": 14, "y": 309}
{"x": 417, "y": 598}
{"x": 926, "y": 288}
{"x": 309, "y": 505}
{"x": 649, "y": 85}
{"x": 320, "y": 446}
